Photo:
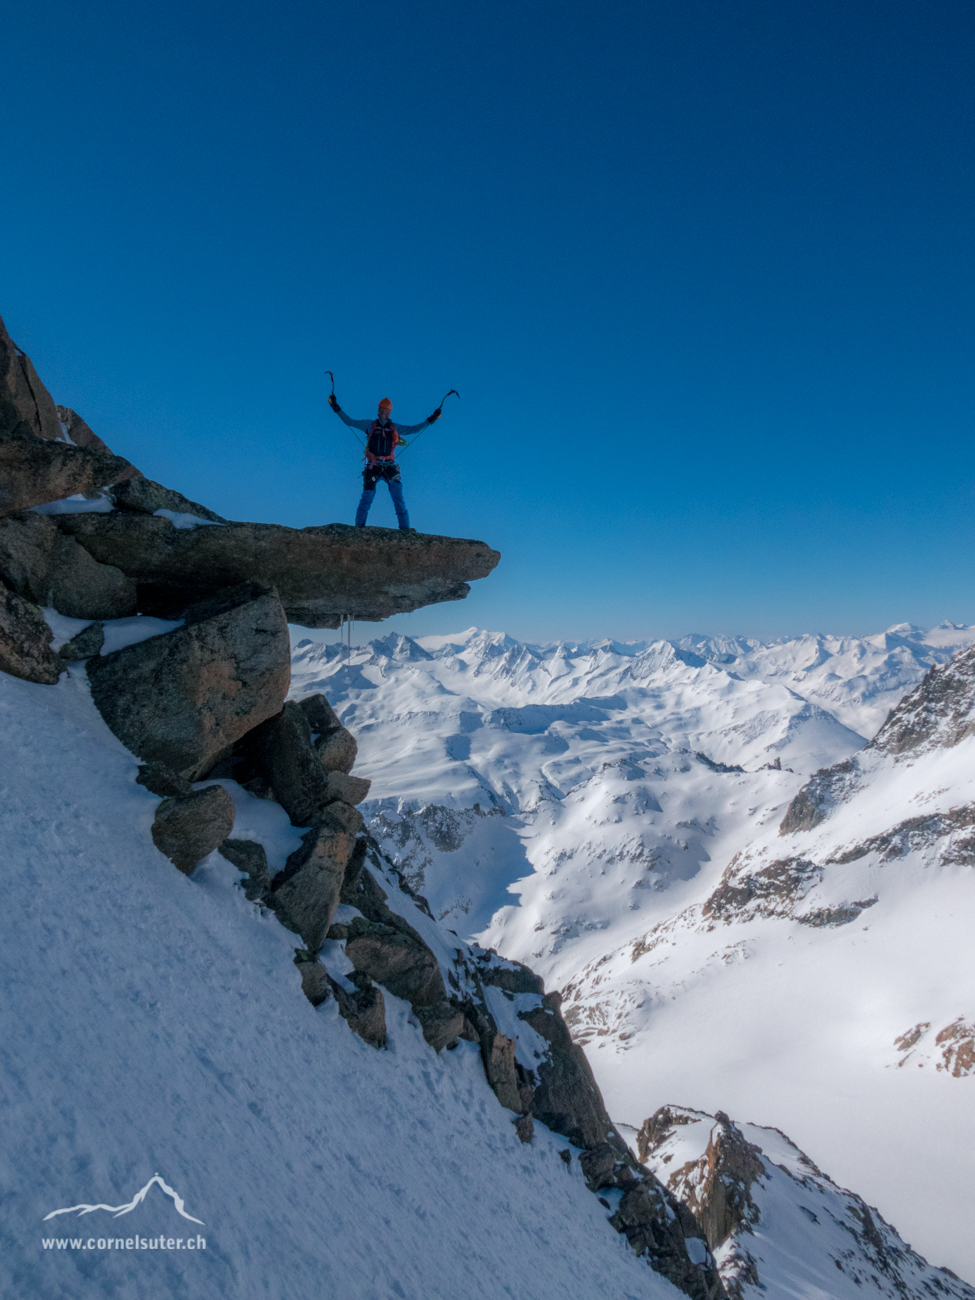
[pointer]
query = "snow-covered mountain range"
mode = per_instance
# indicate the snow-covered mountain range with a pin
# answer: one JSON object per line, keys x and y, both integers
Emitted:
{"x": 601, "y": 811}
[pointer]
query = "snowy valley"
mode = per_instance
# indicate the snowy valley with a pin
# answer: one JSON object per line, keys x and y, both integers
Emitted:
{"x": 587, "y": 809}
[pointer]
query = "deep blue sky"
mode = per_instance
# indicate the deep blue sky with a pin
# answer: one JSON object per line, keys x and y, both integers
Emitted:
{"x": 702, "y": 271}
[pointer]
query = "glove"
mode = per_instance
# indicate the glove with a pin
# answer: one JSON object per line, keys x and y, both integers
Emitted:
{"x": 333, "y": 403}
{"x": 431, "y": 419}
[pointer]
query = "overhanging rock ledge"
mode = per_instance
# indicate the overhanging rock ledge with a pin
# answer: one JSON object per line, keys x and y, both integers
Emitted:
{"x": 322, "y": 574}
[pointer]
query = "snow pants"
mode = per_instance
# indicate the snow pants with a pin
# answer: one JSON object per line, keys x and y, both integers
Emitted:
{"x": 370, "y": 477}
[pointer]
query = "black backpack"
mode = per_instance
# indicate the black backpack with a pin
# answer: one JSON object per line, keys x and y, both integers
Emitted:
{"x": 382, "y": 440}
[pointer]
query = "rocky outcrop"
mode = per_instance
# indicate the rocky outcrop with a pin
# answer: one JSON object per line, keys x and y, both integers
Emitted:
{"x": 144, "y": 497}
{"x": 162, "y": 780}
{"x": 33, "y": 472}
{"x": 210, "y": 695}
{"x": 952, "y": 832}
{"x": 745, "y": 893}
{"x": 335, "y": 747}
{"x": 322, "y": 574}
{"x": 250, "y": 858}
{"x": 27, "y": 410}
{"x": 189, "y": 827}
{"x": 183, "y": 698}
{"x": 938, "y": 712}
{"x": 385, "y": 948}
{"x": 43, "y": 565}
{"x": 84, "y": 645}
{"x": 75, "y": 430}
{"x": 306, "y": 893}
{"x": 719, "y": 1193}
{"x": 950, "y": 1049}
{"x": 395, "y": 956}
{"x": 778, "y": 1225}
{"x": 363, "y": 1007}
{"x": 281, "y": 753}
{"x": 566, "y": 1098}
{"x": 365, "y": 1010}
{"x": 25, "y": 641}
{"x": 817, "y": 798}
{"x": 499, "y": 1067}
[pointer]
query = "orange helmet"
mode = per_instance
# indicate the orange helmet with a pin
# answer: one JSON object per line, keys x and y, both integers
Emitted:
{"x": 386, "y": 403}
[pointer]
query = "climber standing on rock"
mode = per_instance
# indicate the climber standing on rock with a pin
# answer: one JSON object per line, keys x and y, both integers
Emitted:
{"x": 382, "y": 439}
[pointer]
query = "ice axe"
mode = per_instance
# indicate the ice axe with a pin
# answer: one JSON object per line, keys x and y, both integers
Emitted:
{"x": 352, "y": 431}
{"x": 453, "y": 392}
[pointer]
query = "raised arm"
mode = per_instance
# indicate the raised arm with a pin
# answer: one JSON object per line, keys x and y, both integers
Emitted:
{"x": 363, "y": 425}
{"x": 415, "y": 428}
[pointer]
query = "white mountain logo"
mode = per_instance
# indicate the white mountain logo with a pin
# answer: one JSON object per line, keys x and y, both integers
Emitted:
{"x": 117, "y": 1210}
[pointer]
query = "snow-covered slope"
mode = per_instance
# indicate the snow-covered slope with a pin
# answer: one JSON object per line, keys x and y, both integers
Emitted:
{"x": 578, "y": 807}
{"x": 777, "y": 1224}
{"x": 827, "y": 976}
{"x": 154, "y": 1024}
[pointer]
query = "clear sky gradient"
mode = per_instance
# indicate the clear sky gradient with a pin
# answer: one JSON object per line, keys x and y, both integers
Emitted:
{"x": 702, "y": 271}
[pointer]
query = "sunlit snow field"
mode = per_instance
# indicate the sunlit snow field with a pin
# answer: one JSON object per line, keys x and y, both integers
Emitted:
{"x": 605, "y": 808}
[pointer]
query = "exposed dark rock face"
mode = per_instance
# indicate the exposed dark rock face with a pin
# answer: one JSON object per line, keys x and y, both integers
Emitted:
{"x": 365, "y": 1010}
{"x": 183, "y": 698}
{"x": 956, "y": 828}
{"x": 819, "y": 796}
{"x": 322, "y": 574}
{"x": 350, "y": 789}
{"x": 322, "y": 718}
{"x": 26, "y": 407}
{"x": 442, "y": 1024}
{"x": 938, "y": 712}
{"x": 525, "y": 1128}
{"x": 387, "y": 949}
{"x": 719, "y": 1195}
{"x": 33, "y": 472}
{"x": 715, "y": 1189}
{"x": 513, "y": 978}
{"x": 25, "y": 641}
{"x": 189, "y": 827}
{"x": 395, "y": 956}
{"x": 316, "y": 984}
{"x": 780, "y": 1224}
{"x": 566, "y": 1098}
{"x": 822, "y": 917}
{"x": 363, "y": 1007}
{"x": 950, "y": 1049}
{"x": 41, "y": 564}
{"x": 351, "y": 819}
{"x": 774, "y": 890}
{"x": 145, "y": 497}
{"x": 251, "y": 858}
{"x": 499, "y": 1065}
{"x": 80, "y": 433}
{"x": 162, "y": 780}
{"x": 27, "y": 410}
{"x": 337, "y": 751}
{"x": 656, "y": 1224}
{"x": 306, "y": 893}
{"x": 559, "y": 1092}
{"x": 84, "y": 645}
{"x": 281, "y": 752}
